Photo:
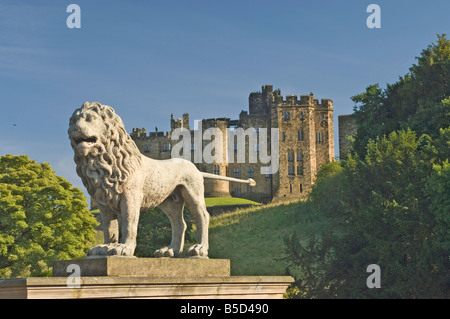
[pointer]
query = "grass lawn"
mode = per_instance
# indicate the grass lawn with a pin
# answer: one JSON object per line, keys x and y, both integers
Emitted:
{"x": 218, "y": 201}
{"x": 253, "y": 238}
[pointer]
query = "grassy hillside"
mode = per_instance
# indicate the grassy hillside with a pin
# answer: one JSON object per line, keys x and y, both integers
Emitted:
{"x": 253, "y": 238}
{"x": 217, "y": 201}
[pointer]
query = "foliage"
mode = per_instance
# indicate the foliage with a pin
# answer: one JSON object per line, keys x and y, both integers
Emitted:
{"x": 42, "y": 218}
{"x": 419, "y": 100}
{"x": 389, "y": 203}
{"x": 392, "y": 209}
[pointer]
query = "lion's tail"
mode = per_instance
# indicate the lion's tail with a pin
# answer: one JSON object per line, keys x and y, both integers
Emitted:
{"x": 249, "y": 181}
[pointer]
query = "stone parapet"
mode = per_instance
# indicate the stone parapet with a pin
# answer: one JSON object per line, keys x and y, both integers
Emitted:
{"x": 148, "y": 287}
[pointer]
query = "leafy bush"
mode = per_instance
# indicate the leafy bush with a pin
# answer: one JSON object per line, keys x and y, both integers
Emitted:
{"x": 42, "y": 218}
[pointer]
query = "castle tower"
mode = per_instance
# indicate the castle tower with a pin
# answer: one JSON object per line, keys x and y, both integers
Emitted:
{"x": 217, "y": 188}
{"x": 305, "y": 143}
{"x": 186, "y": 120}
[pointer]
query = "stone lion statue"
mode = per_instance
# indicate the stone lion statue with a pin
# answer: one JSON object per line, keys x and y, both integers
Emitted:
{"x": 123, "y": 183}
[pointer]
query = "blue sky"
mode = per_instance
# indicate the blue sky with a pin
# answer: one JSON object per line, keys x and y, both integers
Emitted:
{"x": 148, "y": 59}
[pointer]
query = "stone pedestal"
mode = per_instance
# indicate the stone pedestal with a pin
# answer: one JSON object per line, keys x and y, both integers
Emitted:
{"x": 127, "y": 277}
{"x": 132, "y": 266}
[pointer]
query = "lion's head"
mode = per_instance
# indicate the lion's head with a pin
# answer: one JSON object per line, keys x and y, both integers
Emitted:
{"x": 104, "y": 152}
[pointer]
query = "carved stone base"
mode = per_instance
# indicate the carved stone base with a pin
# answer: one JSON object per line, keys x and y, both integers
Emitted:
{"x": 148, "y": 287}
{"x": 132, "y": 266}
{"x": 129, "y": 277}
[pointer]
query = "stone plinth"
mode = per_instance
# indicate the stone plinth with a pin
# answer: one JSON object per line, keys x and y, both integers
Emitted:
{"x": 132, "y": 266}
{"x": 148, "y": 287}
{"x": 148, "y": 278}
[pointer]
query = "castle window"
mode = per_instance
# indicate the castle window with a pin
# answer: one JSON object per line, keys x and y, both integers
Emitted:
{"x": 286, "y": 116}
{"x": 290, "y": 156}
{"x": 283, "y": 136}
{"x": 237, "y": 191}
{"x": 301, "y": 116}
{"x": 249, "y": 189}
{"x": 236, "y": 172}
{"x": 216, "y": 169}
{"x": 301, "y": 188}
{"x": 299, "y": 157}
{"x": 321, "y": 118}
{"x": 301, "y": 135}
{"x": 300, "y": 170}
{"x": 166, "y": 147}
{"x": 291, "y": 170}
{"x": 147, "y": 148}
{"x": 319, "y": 137}
{"x": 290, "y": 188}
{"x": 250, "y": 172}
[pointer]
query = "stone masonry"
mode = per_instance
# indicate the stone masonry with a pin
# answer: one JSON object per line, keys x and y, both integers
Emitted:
{"x": 306, "y": 142}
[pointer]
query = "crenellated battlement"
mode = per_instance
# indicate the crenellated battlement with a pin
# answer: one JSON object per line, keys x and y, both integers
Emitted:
{"x": 215, "y": 122}
{"x": 302, "y": 101}
{"x": 261, "y": 102}
{"x": 141, "y": 133}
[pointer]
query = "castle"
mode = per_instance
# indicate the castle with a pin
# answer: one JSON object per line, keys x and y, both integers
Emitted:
{"x": 305, "y": 143}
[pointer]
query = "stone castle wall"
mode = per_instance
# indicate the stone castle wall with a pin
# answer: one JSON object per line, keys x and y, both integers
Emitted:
{"x": 306, "y": 142}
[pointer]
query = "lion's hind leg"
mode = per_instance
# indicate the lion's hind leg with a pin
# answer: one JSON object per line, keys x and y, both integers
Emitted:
{"x": 173, "y": 207}
{"x": 195, "y": 202}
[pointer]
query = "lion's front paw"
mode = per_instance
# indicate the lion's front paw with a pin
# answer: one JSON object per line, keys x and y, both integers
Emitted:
{"x": 164, "y": 252}
{"x": 121, "y": 250}
{"x": 197, "y": 251}
{"x": 111, "y": 250}
{"x": 100, "y": 250}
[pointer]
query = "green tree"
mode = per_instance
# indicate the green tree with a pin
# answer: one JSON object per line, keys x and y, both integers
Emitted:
{"x": 419, "y": 100}
{"x": 390, "y": 204}
{"x": 437, "y": 188}
{"x": 393, "y": 210}
{"x": 314, "y": 258}
{"x": 42, "y": 218}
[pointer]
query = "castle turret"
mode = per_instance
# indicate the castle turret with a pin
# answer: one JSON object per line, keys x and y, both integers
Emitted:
{"x": 172, "y": 122}
{"x": 261, "y": 102}
{"x": 186, "y": 120}
{"x": 217, "y": 188}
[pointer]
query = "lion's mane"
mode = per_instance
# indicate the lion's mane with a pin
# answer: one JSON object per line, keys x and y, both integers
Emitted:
{"x": 106, "y": 169}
